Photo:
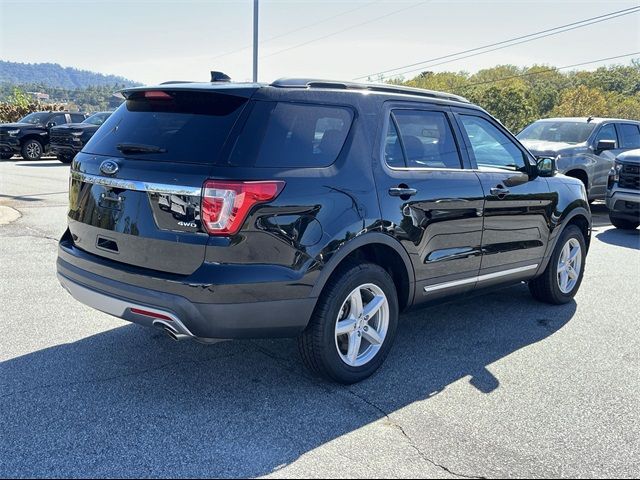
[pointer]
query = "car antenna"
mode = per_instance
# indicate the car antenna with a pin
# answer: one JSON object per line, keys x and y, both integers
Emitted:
{"x": 219, "y": 77}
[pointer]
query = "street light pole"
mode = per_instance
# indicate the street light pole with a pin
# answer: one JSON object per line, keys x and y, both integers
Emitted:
{"x": 255, "y": 41}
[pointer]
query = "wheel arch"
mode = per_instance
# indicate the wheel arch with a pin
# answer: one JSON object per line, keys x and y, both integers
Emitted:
{"x": 34, "y": 136}
{"x": 579, "y": 216}
{"x": 376, "y": 248}
{"x": 581, "y": 174}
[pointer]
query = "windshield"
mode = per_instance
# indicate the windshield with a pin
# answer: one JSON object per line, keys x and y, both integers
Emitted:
{"x": 36, "y": 118}
{"x": 565, "y": 132}
{"x": 97, "y": 118}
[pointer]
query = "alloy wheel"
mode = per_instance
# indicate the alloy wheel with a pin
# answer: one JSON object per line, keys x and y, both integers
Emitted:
{"x": 569, "y": 265}
{"x": 362, "y": 325}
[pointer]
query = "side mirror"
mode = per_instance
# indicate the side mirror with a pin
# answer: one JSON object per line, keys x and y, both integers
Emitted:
{"x": 547, "y": 166}
{"x": 605, "y": 145}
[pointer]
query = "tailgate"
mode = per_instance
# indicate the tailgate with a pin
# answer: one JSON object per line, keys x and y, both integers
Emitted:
{"x": 142, "y": 223}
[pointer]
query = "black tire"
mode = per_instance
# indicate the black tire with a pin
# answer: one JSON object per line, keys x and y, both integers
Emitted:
{"x": 65, "y": 159}
{"x": 622, "y": 223}
{"x": 545, "y": 288}
{"x": 317, "y": 344}
{"x": 6, "y": 156}
{"x": 32, "y": 150}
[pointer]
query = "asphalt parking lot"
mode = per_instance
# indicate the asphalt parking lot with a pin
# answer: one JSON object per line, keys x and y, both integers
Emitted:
{"x": 495, "y": 386}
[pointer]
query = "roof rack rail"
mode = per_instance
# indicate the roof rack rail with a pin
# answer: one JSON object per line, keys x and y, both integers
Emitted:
{"x": 169, "y": 82}
{"x": 374, "y": 87}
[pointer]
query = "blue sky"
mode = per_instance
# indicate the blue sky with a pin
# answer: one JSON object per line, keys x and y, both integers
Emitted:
{"x": 154, "y": 41}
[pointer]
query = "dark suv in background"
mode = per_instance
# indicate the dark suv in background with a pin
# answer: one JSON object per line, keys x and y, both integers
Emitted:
{"x": 314, "y": 209}
{"x": 67, "y": 140}
{"x": 586, "y": 147}
{"x": 29, "y": 137}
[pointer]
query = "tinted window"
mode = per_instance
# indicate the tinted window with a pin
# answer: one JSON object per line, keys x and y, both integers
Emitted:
{"x": 552, "y": 131}
{"x": 187, "y": 127}
{"x": 77, "y": 117}
{"x": 490, "y": 146}
{"x": 97, "y": 118}
{"x": 427, "y": 139}
{"x": 392, "y": 147}
{"x": 58, "y": 119}
{"x": 607, "y": 132}
{"x": 279, "y": 134}
{"x": 35, "y": 118}
{"x": 629, "y": 135}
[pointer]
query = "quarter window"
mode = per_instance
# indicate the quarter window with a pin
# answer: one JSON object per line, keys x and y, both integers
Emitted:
{"x": 629, "y": 135}
{"x": 279, "y": 134}
{"x": 491, "y": 147}
{"x": 425, "y": 140}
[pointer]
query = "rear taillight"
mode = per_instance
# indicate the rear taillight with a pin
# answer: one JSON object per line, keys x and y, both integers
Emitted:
{"x": 226, "y": 204}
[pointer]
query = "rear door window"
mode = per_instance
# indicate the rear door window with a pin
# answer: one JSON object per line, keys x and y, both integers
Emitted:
{"x": 291, "y": 135}
{"x": 172, "y": 126}
{"x": 77, "y": 118}
{"x": 629, "y": 135}
{"x": 426, "y": 139}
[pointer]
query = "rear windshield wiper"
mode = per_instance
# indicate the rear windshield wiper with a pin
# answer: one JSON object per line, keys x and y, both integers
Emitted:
{"x": 139, "y": 148}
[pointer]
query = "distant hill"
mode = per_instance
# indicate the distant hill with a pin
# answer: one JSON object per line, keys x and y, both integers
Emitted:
{"x": 54, "y": 75}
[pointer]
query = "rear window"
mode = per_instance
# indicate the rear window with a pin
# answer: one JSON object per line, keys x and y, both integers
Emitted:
{"x": 173, "y": 126}
{"x": 291, "y": 135}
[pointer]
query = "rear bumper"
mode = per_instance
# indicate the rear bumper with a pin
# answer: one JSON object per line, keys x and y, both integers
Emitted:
{"x": 204, "y": 321}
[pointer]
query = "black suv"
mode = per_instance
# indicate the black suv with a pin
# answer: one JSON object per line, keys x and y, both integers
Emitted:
{"x": 29, "y": 137}
{"x": 67, "y": 140}
{"x": 315, "y": 209}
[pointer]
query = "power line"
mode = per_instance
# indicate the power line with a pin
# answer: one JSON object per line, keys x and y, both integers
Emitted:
{"x": 523, "y": 39}
{"x": 345, "y": 29}
{"x": 511, "y": 45}
{"x": 539, "y": 72}
{"x": 295, "y": 30}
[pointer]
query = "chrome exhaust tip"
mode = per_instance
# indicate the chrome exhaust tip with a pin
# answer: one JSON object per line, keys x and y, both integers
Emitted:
{"x": 170, "y": 331}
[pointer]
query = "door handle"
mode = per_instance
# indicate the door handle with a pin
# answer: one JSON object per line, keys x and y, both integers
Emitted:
{"x": 500, "y": 191}
{"x": 402, "y": 192}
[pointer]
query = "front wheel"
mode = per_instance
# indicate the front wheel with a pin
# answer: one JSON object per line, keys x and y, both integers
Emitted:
{"x": 562, "y": 278}
{"x": 623, "y": 224}
{"x": 32, "y": 150}
{"x": 353, "y": 326}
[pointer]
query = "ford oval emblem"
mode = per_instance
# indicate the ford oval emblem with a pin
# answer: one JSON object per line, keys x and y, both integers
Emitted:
{"x": 109, "y": 167}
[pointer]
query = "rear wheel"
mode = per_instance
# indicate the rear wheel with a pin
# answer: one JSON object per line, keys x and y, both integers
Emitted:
{"x": 622, "y": 223}
{"x": 562, "y": 278}
{"x": 353, "y": 326}
{"x": 32, "y": 150}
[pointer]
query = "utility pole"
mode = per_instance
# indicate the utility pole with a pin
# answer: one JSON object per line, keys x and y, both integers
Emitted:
{"x": 255, "y": 41}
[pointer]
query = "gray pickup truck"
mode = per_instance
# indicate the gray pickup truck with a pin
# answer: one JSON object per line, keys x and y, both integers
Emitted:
{"x": 623, "y": 191}
{"x": 587, "y": 147}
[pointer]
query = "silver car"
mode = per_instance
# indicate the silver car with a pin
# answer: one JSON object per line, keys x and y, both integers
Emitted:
{"x": 587, "y": 147}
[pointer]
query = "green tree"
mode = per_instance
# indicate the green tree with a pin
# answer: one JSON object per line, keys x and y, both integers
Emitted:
{"x": 582, "y": 101}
